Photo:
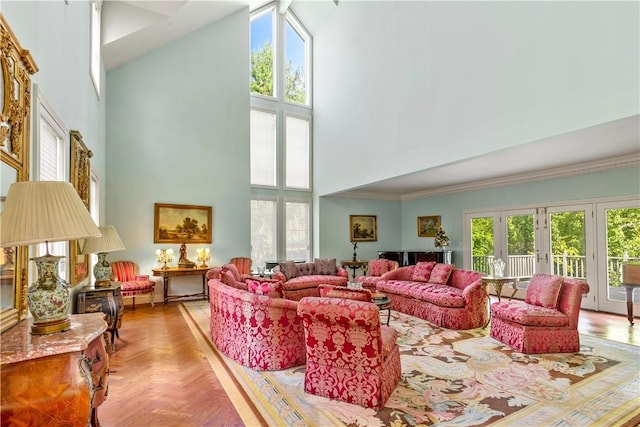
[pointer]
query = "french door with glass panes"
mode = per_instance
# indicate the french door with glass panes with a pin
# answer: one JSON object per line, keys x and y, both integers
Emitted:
{"x": 557, "y": 240}
{"x": 618, "y": 237}
{"x": 569, "y": 231}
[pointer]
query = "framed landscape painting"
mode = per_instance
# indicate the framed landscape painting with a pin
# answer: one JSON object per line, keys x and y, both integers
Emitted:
{"x": 428, "y": 225}
{"x": 363, "y": 228}
{"x": 182, "y": 223}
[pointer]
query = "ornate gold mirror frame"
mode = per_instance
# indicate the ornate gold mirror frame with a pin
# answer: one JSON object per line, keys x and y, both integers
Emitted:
{"x": 81, "y": 180}
{"x": 16, "y": 65}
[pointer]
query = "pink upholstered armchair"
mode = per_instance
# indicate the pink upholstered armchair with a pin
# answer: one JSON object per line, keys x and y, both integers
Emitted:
{"x": 243, "y": 264}
{"x": 375, "y": 269}
{"x": 258, "y": 331}
{"x": 350, "y": 355}
{"x": 546, "y": 321}
{"x": 132, "y": 283}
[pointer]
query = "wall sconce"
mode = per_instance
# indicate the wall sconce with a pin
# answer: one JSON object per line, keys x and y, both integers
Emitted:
{"x": 164, "y": 256}
{"x": 204, "y": 255}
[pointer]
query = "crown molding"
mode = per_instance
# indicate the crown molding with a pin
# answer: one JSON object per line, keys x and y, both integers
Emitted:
{"x": 540, "y": 175}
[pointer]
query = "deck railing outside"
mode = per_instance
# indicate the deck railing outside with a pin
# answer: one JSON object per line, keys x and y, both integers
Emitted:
{"x": 522, "y": 266}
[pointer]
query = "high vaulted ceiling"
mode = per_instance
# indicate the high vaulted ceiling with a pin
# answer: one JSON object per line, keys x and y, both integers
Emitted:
{"x": 133, "y": 28}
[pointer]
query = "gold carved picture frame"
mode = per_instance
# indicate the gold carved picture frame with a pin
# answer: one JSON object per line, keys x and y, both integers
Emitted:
{"x": 363, "y": 228}
{"x": 80, "y": 177}
{"x": 428, "y": 225}
{"x": 182, "y": 223}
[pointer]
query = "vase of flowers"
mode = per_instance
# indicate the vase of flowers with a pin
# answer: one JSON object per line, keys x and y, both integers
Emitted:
{"x": 441, "y": 240}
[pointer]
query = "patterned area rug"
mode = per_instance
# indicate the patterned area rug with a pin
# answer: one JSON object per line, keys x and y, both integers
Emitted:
{"x": 458, "y": 378}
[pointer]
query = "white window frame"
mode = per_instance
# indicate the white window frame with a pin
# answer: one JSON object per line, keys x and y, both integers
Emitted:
{"x": 44, "y": 112}
{"x": 309, "y": 250}
{"x": 284, "y": 109}
{"x": 292, "y": 19}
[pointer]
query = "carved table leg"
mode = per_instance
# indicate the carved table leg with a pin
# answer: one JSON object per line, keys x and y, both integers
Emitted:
{"x": 629, "y": 291}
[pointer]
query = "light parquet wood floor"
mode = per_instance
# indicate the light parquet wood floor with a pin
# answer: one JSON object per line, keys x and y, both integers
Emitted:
{"x": 159, "y": 376}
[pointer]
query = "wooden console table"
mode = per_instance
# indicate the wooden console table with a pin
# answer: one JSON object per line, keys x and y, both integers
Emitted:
{"x": 54, "y": 379}
{"x": 166, "y": 273}
{"x": 353, "y": 265}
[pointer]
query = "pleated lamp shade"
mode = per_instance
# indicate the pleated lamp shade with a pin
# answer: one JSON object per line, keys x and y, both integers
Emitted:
{"x": 44, "y": 211}
{"x": 109, "y": 242}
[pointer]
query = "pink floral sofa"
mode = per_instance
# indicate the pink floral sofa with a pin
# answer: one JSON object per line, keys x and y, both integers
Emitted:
{"x": 256, "y": 327}
{"x": 230, "y": 276}
{"x": 301, "y": 280}
{"x": 439, "y": 293}
{"x": 546, "y": 321}
{"x": 350, "y": 355}
{"x": 375, "y": 269}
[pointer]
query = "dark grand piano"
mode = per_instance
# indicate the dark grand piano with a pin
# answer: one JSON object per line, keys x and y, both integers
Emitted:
{"x": 412, "y": 257}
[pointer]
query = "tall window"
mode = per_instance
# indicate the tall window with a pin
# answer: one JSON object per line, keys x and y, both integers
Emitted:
{"x": 298, "y": 227}
{"x": 280, "y": 61}
{"x": 50, "y": 159}
{"x": 94, "y": 68}
{"x": 297, "y": 152}
{"x": 263, "y": 148}
{"x": 280, "y": 137}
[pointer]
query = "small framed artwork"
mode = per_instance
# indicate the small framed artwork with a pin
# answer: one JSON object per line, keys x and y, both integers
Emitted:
{"x": 182, "y": 223}
{"x": 428, "y": 225}
{"x": 363, "y": 228}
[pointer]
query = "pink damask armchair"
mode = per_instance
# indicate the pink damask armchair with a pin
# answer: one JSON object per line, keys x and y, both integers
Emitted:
{"x": 259, "y": 331}
{"x": 132, "y": 284}
{"x": 375, "y": 269}
{"x": 546, "y": 321}
{"x": 350, "y": 355}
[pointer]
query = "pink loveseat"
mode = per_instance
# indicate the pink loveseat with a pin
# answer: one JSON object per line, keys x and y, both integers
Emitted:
{"x": 546, "y": 321}
{"x": 261, "y": 332}
{"x": 439, "y": 293}
{"x": 301, "y": 279}
{"x": 350, "y": 356}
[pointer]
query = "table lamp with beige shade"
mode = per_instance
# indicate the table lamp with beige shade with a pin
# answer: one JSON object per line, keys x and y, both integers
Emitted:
{"x": 43, "y": 212}
{"x": 109, "y": 242}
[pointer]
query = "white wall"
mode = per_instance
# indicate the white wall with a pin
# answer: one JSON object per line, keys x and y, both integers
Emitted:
{"x": 178, "y": 132}
{"x": 405, "y": 86}
{"x": 334, "y": 236}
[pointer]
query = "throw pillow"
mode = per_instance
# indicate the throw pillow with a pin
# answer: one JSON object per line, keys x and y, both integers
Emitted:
{"x": 377, "y": 267}
{"x": 226, "y": 277}
{"x": 269, "y": 288}
{"x": 306, "y": 268}
{"x": 422, "y": 271}
{"x": 440, "y": 273}
{"x": 543, "y": 290}
{"x": 326, "y": 266}
{"x": 233, "y": 269}
{"x": 289, "y": 269}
